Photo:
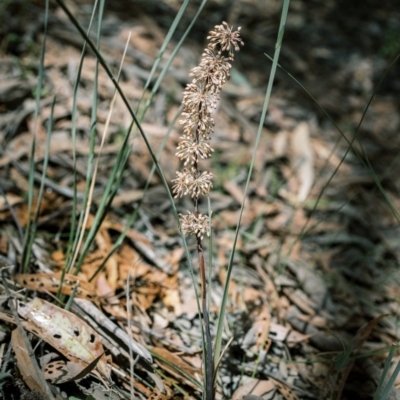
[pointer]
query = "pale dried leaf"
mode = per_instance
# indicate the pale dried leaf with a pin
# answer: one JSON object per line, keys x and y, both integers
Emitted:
{"x": 52, "y": 283}
{"x": 67, "y": 333}
{"x": 25, "y": 366}
{"x": 12, "y": 200}
{"x": 303, "y": 159}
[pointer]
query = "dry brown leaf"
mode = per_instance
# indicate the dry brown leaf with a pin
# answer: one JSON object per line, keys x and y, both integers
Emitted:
{"x": 284, "y": 390}
{"x": 254, "y": 387}
{"x": 51, "y": 283}
{"x": 25, "y": 366}
{"x": 300, "y": 300}
{"x": 157, "y": 395}
{"x": 295, "y": 337}
{"x": 179, "y": 363}
{"x": 172, "y": 300}
{"x": 262, "y": 326}
{"x": 67, "y": 333}
{"x": 12, "y": 200}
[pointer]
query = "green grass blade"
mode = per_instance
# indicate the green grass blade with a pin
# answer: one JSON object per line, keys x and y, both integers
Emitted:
{"x": 28, "y": 240}
{"x": 91, "y": 157}
{"x": 124, "y": 99}
{"x": 386, "y": 367}
{"x": 34, "y": 222}
{"x": 390, "y": 384}
{"x": 218, "y": 339}
{"x": 73, "y": 229}
{"x": 133, "y": 115}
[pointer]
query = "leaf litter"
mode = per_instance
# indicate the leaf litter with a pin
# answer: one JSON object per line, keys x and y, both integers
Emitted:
{"x": 307, "y": 277}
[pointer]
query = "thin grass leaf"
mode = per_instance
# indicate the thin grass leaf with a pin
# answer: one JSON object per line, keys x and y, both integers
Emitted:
{"x": 390, "y": 384}
{"x": 75, "y": 232}
{"x": 135, "y": 121}
{"x": 90, "y": 175}
{"x": 218, "y": 340}
{"x": 27, "y": 246}
{"x": 71, "y": 297}
{"x": 126, "y": 102}
{"x": 74, "y": 118}
{"x": 34, "y": 223}
{"x": 385, "y": 371}
{"x": 99, "y": 214}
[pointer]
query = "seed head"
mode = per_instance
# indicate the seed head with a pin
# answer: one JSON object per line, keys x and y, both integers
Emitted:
{"x": 226, "y": 38}
{"x": 200, "y": 99}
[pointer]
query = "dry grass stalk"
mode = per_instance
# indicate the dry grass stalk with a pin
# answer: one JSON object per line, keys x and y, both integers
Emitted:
{"x": 200, "y": 100}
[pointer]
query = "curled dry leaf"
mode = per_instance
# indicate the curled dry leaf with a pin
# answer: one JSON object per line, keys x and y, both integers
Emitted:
{"x": 52, "y": 283}
{"x": 25, "y": 366}
{"x": 67, "y": 333}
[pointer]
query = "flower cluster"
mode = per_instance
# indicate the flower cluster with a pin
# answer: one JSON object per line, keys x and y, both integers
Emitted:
{"x": 200, "y": 99}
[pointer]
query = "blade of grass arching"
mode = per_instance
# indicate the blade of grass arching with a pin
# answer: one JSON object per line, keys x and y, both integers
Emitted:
{"x": 27, "y": 247}
{"x": 390, "y": 384}
{"x": 71, "y": 297}
{"x": 126, "y": 102}
{"x": 218, "y": 339}
{"x": 171, "y": 58}
{"x": 132, "y": 218}
{"x": 34, "y": 222}
{"x": 136, "y": 121}
{"x": 80, "y": 231}
{"x": 93, "y": 181}
{"x": 74, "y": 117}
{"x": 386, "y": 367}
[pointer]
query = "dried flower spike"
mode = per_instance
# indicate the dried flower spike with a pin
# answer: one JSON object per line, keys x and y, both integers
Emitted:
{"x": 200, "y": 100}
